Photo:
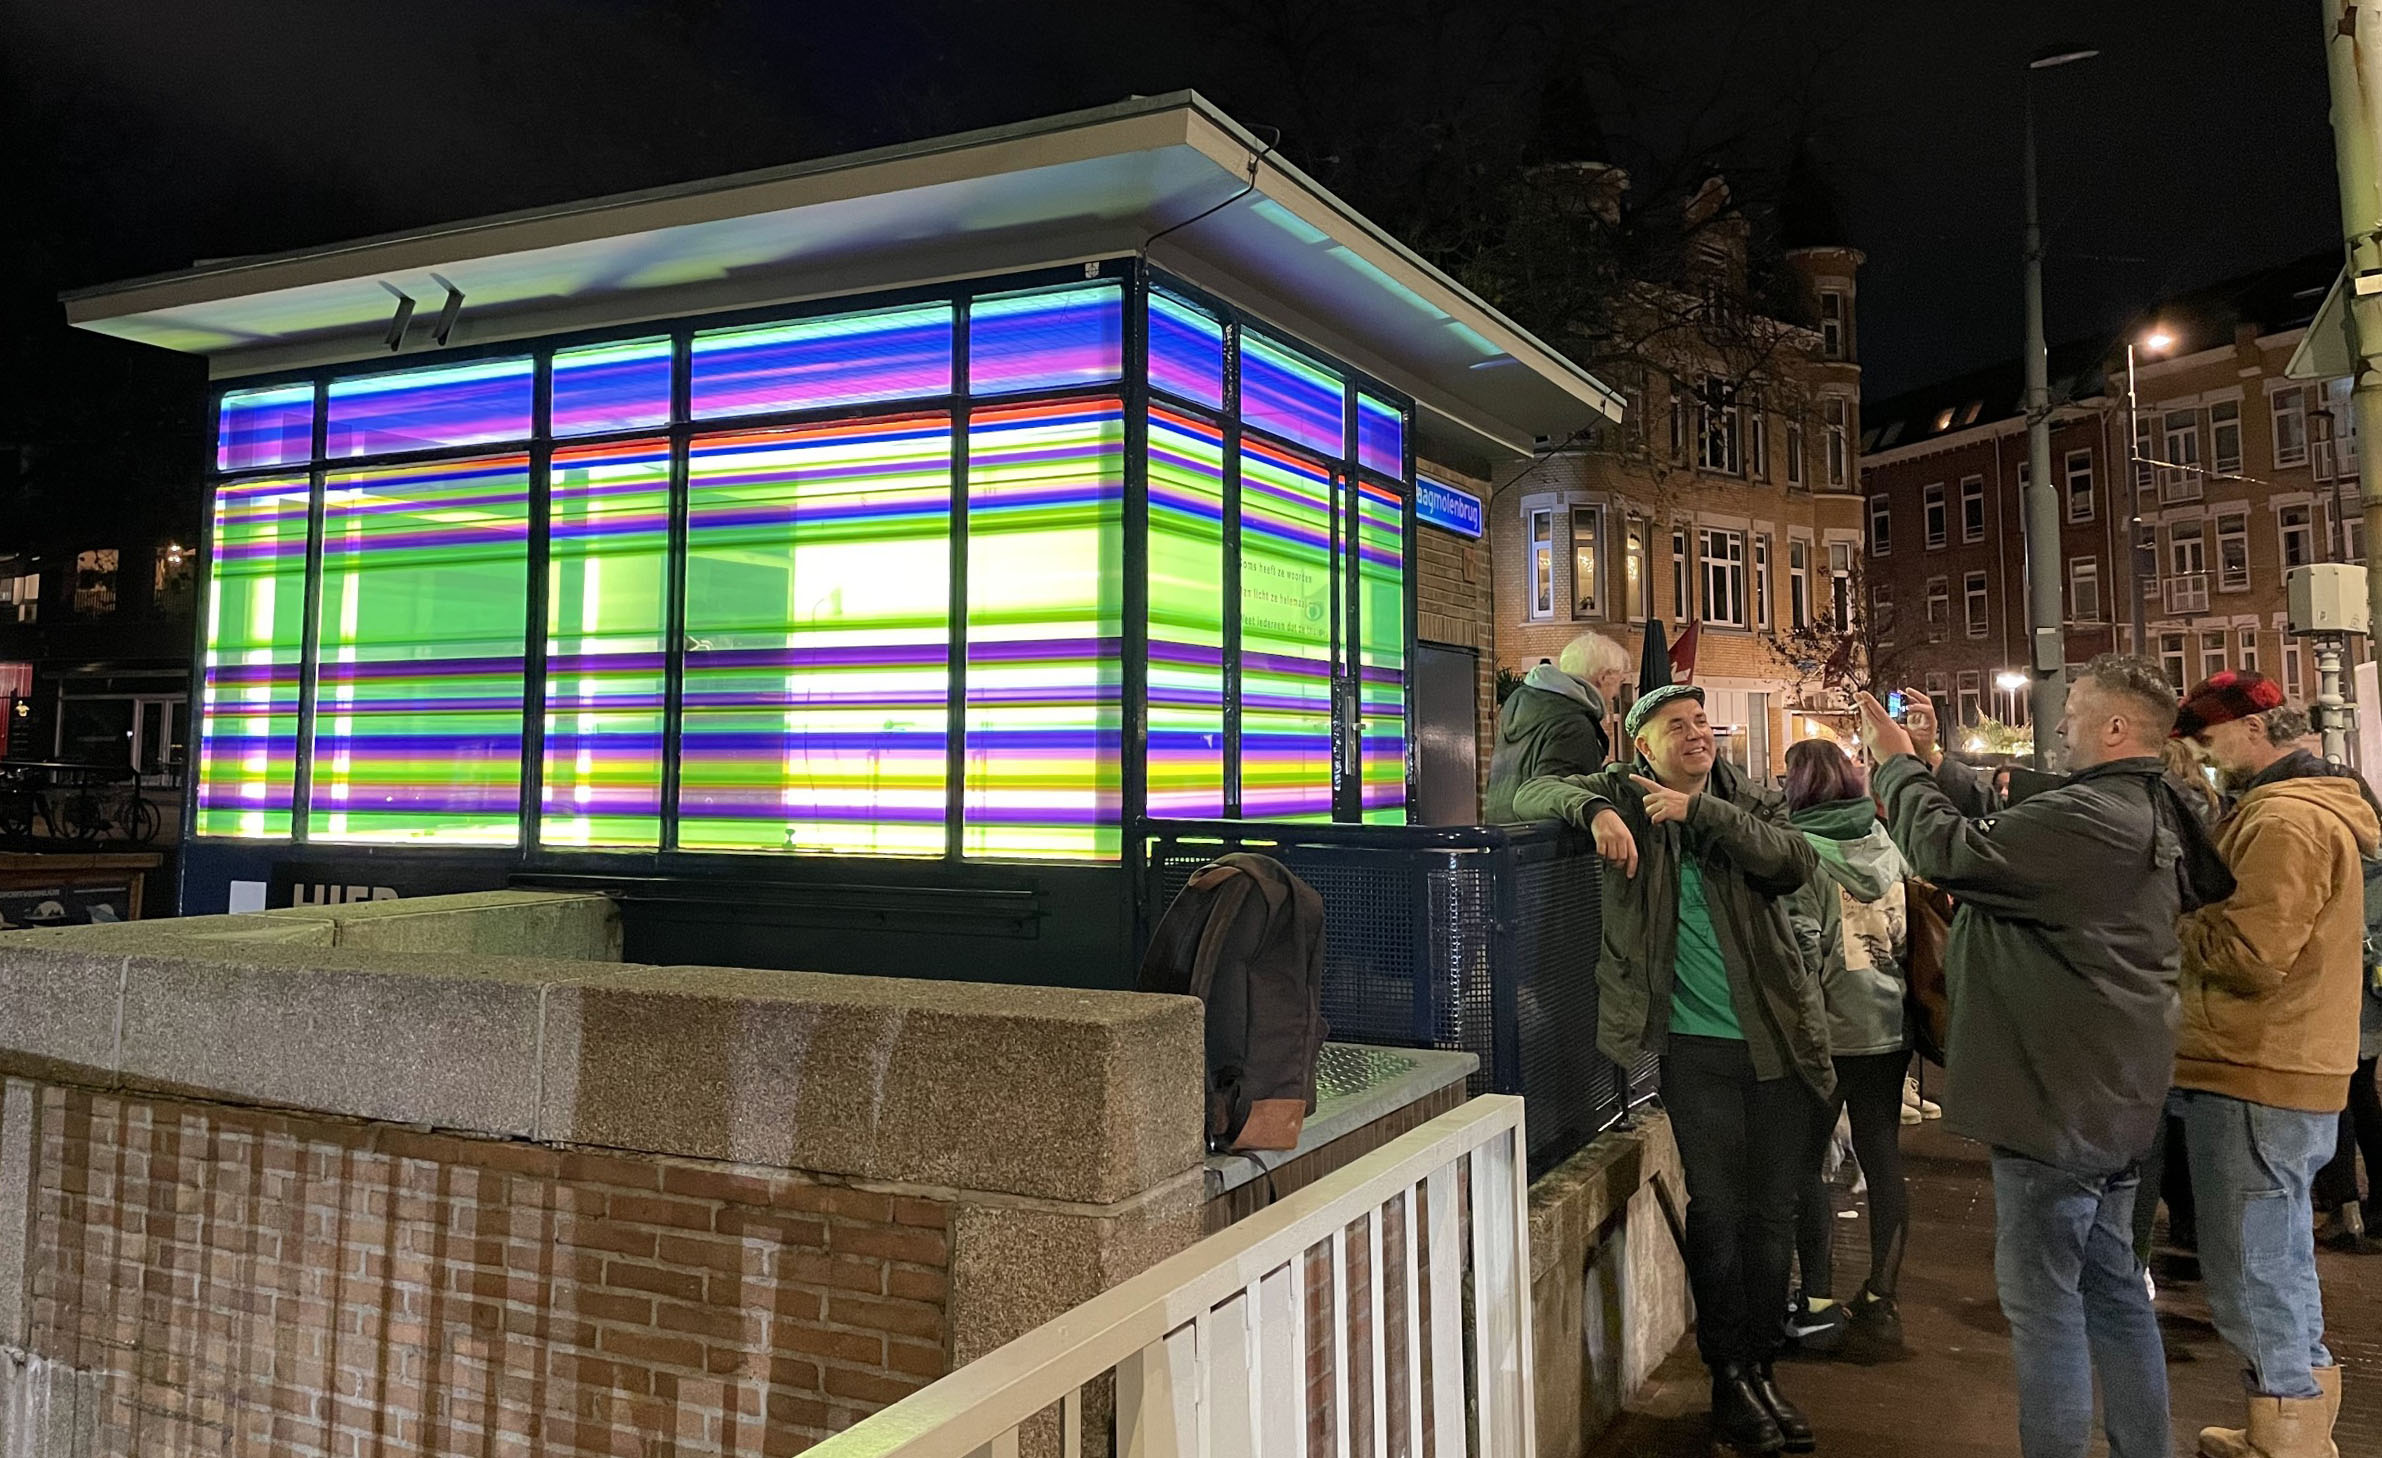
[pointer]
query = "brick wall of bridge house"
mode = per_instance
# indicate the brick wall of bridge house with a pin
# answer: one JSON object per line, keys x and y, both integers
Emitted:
{"x": 264, "y": 1283}
{"x": 1453, "y": 605}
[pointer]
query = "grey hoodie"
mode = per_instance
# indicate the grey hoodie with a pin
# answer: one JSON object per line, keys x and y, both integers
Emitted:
{"x": 1852, "y": 921}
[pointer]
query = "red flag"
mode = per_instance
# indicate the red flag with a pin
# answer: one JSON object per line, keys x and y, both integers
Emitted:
{"x": 1683, "y": 654}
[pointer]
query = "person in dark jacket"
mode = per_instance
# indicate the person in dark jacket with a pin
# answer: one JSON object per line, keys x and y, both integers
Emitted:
{"x": 2063, "y": 965}
{"x": 1554, "y": 724}
{"x": 1700, "y": 965}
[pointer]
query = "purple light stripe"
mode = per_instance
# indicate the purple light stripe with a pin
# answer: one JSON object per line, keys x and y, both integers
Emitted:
{"x": 1285, "y": 663}
{"x": 814, "y": 509}
{"x": 339, "y": 672}
{"x": 1193, "y": 655}
{"x": 1072, "y": 336}
{"x": 734, "y": 748}
{"x": 1031, "y": 650}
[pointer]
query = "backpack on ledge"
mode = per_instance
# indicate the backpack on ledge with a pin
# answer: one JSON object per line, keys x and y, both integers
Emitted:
{"x": 1246, "y": 938}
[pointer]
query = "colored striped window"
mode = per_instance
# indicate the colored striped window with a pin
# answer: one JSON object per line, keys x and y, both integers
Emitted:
{"x": 608, "y": 542}
{"x": 248, "y": 695}
{"x": 418, "y": 698}
{"x": 618, "y": 386}
{"x": 1045, "y": 629}
{"x": 1186, "y": 608}
{"x": 1046, "y": 341}
{"x": 265, "y": 427}
{"x": 1381, "y": 656}
{"x": 1186, "y": 352}
{"x": 413, "y": 410}
{"x": 848, "y": 359}
{"x": 817, "y": 692}
{"x": 1380, "y": 436}
{"x": 1286, "y": 635}
{"x": 1286, "y": 395}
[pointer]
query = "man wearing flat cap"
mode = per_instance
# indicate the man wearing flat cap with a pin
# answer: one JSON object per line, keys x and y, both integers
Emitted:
{"x": 2272, "y": 977}
{"x": 1701, "y": 966}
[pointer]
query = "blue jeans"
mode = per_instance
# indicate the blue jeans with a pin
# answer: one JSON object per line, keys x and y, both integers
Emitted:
{"x": 2063, "y": 1259}
{"x": 2252, "y": 1166}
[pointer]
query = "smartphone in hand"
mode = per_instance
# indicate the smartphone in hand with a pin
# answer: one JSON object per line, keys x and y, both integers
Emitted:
{"x": 1894, "y": 704}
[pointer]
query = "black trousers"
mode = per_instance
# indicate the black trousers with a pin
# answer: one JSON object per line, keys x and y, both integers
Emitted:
{"x": 2361, "y": 1130}
{"x": 1744, "y": 1143}
{"x": 1871, "y": 1088}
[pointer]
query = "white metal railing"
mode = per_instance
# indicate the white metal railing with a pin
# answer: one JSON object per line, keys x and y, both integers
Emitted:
{"x": 1211, "y": 1348}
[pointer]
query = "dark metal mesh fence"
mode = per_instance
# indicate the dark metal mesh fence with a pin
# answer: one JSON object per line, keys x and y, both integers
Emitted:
{"x": 1482, "y": 939}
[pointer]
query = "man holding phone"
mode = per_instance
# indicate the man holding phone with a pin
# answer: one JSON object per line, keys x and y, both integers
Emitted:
{"x": 2062, "y": 963}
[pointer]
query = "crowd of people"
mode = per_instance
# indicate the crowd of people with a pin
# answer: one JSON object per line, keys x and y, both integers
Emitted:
{"x": 2160, "y": 977}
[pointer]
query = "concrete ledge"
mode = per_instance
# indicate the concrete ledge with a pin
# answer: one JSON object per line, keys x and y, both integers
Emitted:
{"x": 1044, "y": 1093}
{"x": 574, "y": 925}
{"x": 1608, "y": 1288}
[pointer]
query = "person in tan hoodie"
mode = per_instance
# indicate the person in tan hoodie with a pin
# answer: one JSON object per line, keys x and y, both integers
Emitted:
{"x": 2270, "y": 989}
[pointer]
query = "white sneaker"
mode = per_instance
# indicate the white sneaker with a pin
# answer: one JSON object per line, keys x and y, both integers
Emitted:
{"x": 1930, "y": 1109}
{"x": 2150, "y": 1287}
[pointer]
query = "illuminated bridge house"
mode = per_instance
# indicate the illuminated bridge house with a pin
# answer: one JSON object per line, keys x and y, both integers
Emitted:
{"x": 839, "y": 560}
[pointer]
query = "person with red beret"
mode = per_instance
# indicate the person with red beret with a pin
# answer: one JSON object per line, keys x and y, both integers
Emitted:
{"x": 2272, "y": 976}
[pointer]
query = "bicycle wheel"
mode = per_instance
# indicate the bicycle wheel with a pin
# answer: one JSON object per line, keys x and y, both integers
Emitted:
{"x": 83, "y": 816}
{"x": 141, "y": 820}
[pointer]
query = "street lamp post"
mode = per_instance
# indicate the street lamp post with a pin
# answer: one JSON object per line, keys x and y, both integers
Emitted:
{"x": 2136, "y": 548}
{"x": 2047, "y": 655}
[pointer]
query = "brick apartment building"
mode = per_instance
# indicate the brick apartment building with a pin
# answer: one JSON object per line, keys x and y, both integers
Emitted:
{"x": 1734, "y": 508}
{"x": 2238, "y": 476}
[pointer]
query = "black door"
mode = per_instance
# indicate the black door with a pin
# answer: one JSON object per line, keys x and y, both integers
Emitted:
{"x": 1447, "y": 727}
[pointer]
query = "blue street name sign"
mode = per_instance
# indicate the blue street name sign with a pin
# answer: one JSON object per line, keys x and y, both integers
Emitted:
{"x": 1446, "y": 508}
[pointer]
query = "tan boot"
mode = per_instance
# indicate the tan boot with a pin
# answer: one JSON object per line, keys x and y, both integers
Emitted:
{"x": 2328, "y": 1381}
{"x": 2280, "y": 1427}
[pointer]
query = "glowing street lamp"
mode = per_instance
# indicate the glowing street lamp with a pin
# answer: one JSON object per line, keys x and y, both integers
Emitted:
{"x": 2157, "y": 341}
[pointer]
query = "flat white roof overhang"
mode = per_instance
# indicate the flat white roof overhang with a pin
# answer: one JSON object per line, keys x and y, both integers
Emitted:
{"x": 1069, "y": 189}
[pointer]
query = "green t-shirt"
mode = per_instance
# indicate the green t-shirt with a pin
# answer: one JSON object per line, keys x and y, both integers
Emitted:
{"x": 1700, "y": 1005}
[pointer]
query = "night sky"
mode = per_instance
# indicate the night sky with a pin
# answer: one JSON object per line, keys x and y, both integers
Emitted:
{"x": 144, "y": 136}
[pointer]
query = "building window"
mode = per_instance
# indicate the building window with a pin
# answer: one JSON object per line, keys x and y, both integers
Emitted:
{"x": 95, "y": 581}
{"x": 1839, "y": 443}
{"x": 2080, "y": 485}
{"x": 1682, "y": 601}
{"x": 1794, "y": 450}
{"x": 1640, "y": 585}
{"x": 2144, "y": 453}
{"x": 2212, "y": 652}
{"x": 1881, "y": 611}
{"x": 2290, "y": 408}
{"x": 1840, "y": 584}
{"x": 1761, "y": 581}
{"x": 1933, "y": 514}
{"x": 2084, "y": 589}
{"x": 2233, "y": 551}
{"x": 1724, "y": 578}
{"x": 1971, "y": 706}
{"x": 1832, "y": 324}
{"x": 1972, "y": 508}
{"x": 2187, "y": 561}
{"x": 2179, "y": 477}
{"x": 2249, "y": 650}
{"x": 1798, "y": 583}
{"x": 1587, "y": 574}
{"x": 2224, "y": 437}
{"x": 1973, "y": 591}
{"x": 1935, "y": 687}
{"x": 2171, "y": 659}
{"x": 175, "y": 582}
{"x": 2291, "y": 660}
{"x": 1757, "y": 437}
{"x": 2353, "y": 533}
{"x": 1542, "y": 563}
{"x": 1939, "y": 608}
{"x": 2297, "y": 529}
{"x": 1881, "y": 526}
{"x": 1678, "y": 394}
{"x": 1720, "y": 446}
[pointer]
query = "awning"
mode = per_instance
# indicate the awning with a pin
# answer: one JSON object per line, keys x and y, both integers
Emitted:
{"x": 1089, "y": 185}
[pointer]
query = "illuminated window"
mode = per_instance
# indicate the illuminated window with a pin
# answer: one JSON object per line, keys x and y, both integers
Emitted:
{"x": 1380, "y": 436}
{"x": 1542, "y": 562}
{"x": 413, "y": 410}
{"x": 1301, "y": 402}
{"x": 270, "y": 427}
{"x": 250, "y": 667}
{"x": 605, "y": 387}
{"x": 1186, "y": 616}
{"x": 95, "y": 581}
{"x": 1286, "y": 635}
{"x": 2080, "y": 485}
{"x": 1186, "y": 352}
{"x": 1587, "y": 576}
{"x": 845, "y": 359}
{"x": 425, "y": 581}
{"x": 1062, "y": 338}
{"x": 1381, "y": 655}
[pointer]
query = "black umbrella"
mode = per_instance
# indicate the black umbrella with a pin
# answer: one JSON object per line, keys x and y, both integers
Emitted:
{"x": 1654, "y": 660}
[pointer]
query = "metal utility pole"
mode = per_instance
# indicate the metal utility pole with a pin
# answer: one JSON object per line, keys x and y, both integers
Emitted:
{"x": 2353, "y": 51}
{"x": 2047, "y": 657}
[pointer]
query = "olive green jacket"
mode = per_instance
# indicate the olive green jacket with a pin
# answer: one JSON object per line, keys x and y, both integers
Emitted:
{"x": 1753, "y": 861}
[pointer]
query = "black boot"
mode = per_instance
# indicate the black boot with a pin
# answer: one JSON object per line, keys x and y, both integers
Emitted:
{"x": 1794, "y": 1429}
{"x": 1877, "y": 1324}
{"x": 1739, "y": 1416}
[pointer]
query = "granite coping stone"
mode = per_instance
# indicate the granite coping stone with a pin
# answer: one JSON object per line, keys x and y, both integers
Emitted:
{"x": 577, "y": 925}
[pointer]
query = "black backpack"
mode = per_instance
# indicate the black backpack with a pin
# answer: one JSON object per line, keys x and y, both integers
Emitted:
{"x": 1246, "y": 938}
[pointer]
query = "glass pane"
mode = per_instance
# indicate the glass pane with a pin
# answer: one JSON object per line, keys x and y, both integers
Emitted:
{"x": 818, "y": 588}
{"x": 1381, "y": 663}
{"x": 1045, "y": 627}
{"x": 256, "y": 626}
{"x": 425, "y": 585}
{"x": 891, "y": 354}
{"x": 1295, "y": 400}
{"x": 619, "y": 386}
{"x": 1186, "y": 352}
{"x": 265, "y": 427}
{"x": 1186, "y": 675}
{"x": 608, "y": 543}
{"x": 1380, "y": 436}
{"x": 1046, "y": 341}
{"x": 450, "y": 405}
{"x": 1286, "y": 635}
